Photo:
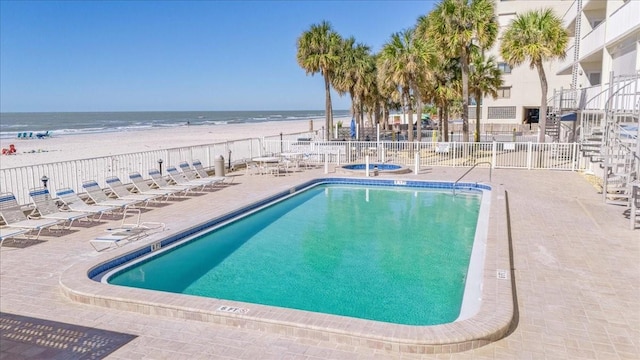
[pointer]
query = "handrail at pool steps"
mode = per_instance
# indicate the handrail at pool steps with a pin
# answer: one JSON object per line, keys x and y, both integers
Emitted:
{"x": 468, "y": 171}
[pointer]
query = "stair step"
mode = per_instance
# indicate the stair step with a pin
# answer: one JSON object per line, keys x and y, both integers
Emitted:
{"x": 618, "y": 202}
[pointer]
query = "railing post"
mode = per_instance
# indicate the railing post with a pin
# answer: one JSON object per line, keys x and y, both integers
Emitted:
{"x": 529, "y": 154}
{"x": 494, "y": 153}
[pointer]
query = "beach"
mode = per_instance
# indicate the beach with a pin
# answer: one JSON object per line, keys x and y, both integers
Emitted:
{"x": 89, "y": 145}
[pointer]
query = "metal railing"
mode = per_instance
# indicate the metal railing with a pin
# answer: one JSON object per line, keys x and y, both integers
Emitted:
{"x": 512, "y": 155}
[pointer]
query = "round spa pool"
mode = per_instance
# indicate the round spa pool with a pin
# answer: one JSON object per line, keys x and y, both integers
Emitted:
{"x": 382, "y": 168}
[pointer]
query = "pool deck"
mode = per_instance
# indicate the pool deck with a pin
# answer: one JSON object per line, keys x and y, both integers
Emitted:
{"x": 576, "y": 271}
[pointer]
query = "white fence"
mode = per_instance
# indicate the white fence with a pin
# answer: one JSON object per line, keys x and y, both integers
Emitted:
{"x": 515, "y": 155}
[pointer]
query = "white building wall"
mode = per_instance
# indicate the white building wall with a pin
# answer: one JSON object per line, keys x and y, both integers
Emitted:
{"x": 524, "y": 82}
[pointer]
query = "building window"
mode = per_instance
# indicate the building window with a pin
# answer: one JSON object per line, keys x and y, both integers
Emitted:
{"x": 504, "y": 67}
{"x": 501, "y": 112}
{"x": 504, "y": 92}
{"x": 594, "y": 78}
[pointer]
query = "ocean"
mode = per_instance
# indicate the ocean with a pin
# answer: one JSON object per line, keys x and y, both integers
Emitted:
{"x": 69, "y": 123}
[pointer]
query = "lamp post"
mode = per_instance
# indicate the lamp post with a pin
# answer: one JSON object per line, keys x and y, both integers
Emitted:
{"x": 44, "y": 180}
{"x": 160, "y": 165}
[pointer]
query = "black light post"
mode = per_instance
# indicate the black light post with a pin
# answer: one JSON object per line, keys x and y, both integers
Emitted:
{"x": 160, "y": 165}
{"x": 44, "y": 180}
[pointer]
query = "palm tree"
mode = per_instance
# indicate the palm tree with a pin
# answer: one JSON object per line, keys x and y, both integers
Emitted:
{"x": 485, "y": 78}
{"x": 319, "y": 51}
{"x": 456, "y": 24}
{"x": 403, "y": 62}
{"x": 355, "y": 62}
{"x": 536, "y": 36}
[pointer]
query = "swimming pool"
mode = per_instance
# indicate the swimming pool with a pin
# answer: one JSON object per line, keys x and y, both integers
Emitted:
{"x": 472, "y": 329}
{"x": 372, "y": 252}
{"x": 379, "y": 167}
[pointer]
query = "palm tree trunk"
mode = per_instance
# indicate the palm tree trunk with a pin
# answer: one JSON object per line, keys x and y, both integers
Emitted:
{"x": 443, "y": 131}
{"x": 542, "y": 116}
{"x": 446, "y": 122}
{"x": 465, "y": 96}
{"x": 419, "y": 126}
{"x": 409, "y": 117}
{"x": 478, "y": 114}
{"x": 327, "y": 108}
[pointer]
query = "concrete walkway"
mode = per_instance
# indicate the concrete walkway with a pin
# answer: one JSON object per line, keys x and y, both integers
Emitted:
{"x": 576, "y": 269}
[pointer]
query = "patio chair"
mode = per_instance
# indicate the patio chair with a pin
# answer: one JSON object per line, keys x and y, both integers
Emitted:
{"x": 98, "y": 196}
{"x": 118, "y": 189}
{"x": 143, "y": 188}
{"x": 126, "y": 232}
{"x": 13, "y": 216}
{"x": 160, "y": 182}
{"x": 253, "y": 168}
{"x": 72, "y": 201}
{"x": 179, "y": 178}
{"x": 46, "y": 208}
{"x": 202, "y": 173}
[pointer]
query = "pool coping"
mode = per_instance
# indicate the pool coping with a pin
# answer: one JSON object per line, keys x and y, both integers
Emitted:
{"x": 491, "y": 323}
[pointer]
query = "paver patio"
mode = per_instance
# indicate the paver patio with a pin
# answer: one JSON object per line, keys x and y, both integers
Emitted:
{"x": 576, "y": 269}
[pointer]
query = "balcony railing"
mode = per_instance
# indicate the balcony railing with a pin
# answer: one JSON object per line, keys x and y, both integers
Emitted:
{"x": 593, "y": 41}
{"x": 570, "y": 14}
{"x": 623, "y": 20}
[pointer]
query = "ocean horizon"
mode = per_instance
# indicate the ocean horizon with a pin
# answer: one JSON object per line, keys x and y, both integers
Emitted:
{"x": 70, "y": 123}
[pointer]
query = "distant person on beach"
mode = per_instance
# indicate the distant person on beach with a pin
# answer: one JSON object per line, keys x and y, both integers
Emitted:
{"x": 10, "y": 151}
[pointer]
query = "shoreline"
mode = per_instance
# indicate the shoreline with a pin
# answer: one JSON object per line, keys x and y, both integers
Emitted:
{"x": 74, "y": 146}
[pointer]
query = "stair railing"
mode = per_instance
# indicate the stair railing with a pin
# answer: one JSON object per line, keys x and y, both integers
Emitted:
{"x": 468, "y": 171}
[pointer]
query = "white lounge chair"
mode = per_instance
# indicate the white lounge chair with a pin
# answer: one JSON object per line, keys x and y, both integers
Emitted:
{"x": 98, "y": 196}
{"x": 7, "y": 233}
{"x": 191, "y": 175}
{"x": 199, "y": 169}
{"x": 72, "y": 201}
{"x": 14, "y": 217}
{"x": 160, "y": 182}
{"x": 143, "y": 188}
{"x": 46, "y": 208}
{"x": 179, "y": 178}
{"x": 118, "y": 189}
{"x": 127, "y": 231}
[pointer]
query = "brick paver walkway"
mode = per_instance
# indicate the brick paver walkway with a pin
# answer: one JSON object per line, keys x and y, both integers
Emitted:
{"x": 576, "y": 269}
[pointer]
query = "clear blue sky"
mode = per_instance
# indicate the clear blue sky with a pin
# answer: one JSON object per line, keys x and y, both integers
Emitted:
{"x": 176, "y": 55}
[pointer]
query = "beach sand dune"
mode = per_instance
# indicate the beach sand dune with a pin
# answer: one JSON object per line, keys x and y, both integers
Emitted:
{"x": 84, "y": 146}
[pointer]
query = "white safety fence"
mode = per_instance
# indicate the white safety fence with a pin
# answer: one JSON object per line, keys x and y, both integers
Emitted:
{"x": 515, "y": 155}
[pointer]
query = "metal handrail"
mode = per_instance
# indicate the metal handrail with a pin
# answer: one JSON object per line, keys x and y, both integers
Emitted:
{"x": 468, "y": 171}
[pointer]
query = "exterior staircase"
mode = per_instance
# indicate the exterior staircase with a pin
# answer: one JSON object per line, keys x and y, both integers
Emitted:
{"x": 608, "y": 132}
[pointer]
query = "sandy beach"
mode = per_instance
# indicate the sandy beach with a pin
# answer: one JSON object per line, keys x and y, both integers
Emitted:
{"x": 74, "y": 147}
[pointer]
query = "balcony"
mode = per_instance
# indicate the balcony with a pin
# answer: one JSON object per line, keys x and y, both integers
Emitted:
{"x": 623, "y": 20}
{"x": 593, "y": 41}
{"x": 566, "y": 64}
{"x": 570, "y": 15}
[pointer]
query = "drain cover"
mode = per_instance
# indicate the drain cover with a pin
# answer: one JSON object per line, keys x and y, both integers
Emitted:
{"x": 502, "y": 274}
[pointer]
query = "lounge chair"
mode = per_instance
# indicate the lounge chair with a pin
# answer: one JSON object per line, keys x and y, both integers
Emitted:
{"x": 161, "y": 182}
{"x": 14, "y": 217}
{"x": 72, "y": 201}
{"x": 179, "y": 178}
{"x": 43, "y": 135}
{"x": 46, "y": 208}
{"x": 7, "y": 233}
{"x": 191, "y": 175}
{"x": 143, "y": 188}
{"x": 117, "y": 187}
{"x": 202, "y": 173}
{"x": 126, "y": 231}
{"x": 100, "y": 198}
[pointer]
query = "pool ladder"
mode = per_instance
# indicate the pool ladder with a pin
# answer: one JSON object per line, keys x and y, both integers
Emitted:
{"x": 468, "y": 171}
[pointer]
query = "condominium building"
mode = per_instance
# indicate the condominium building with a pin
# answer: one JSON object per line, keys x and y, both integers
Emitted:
{"x": 604, "y": 39}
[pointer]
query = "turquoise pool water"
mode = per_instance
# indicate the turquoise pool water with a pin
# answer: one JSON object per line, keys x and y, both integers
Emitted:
{"x": 389, "y": 254}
